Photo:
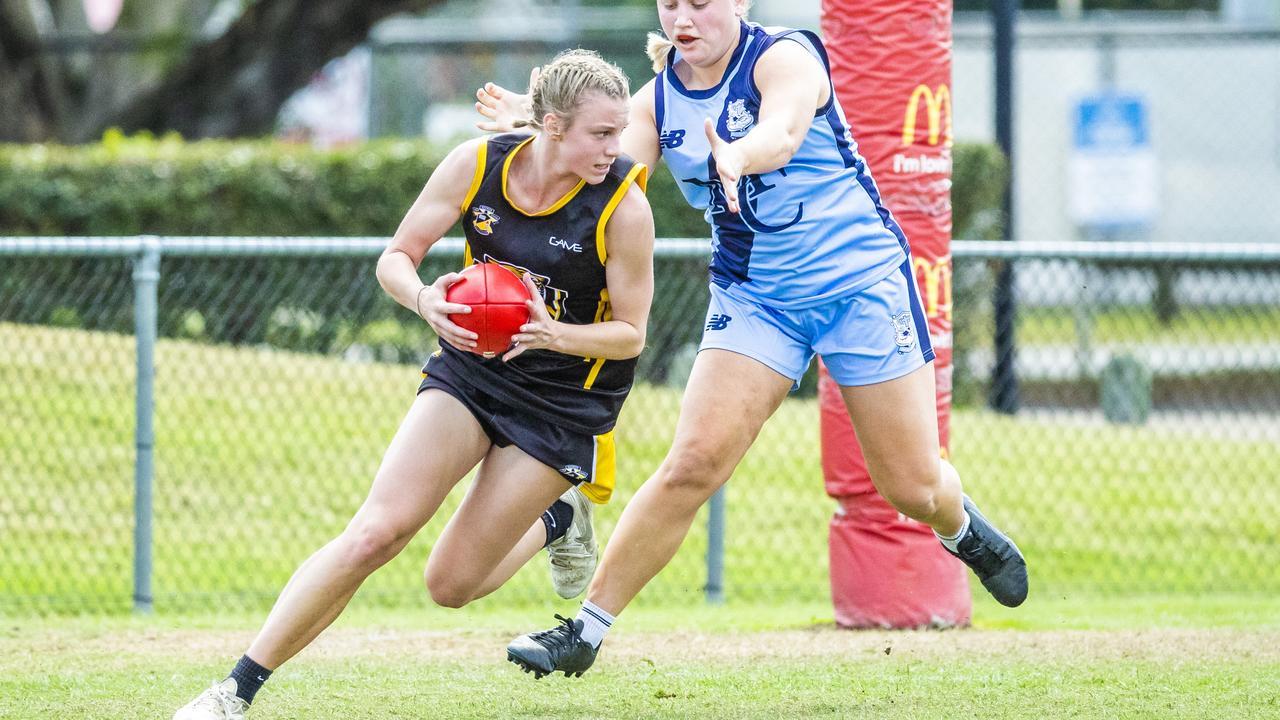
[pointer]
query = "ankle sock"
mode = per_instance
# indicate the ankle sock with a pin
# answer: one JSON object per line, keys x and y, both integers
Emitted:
{"x": 595, "y": 623}
{"x": 249, "y": 677}
{"x": 556, "y": 519}
{"x": 952, "y": 542}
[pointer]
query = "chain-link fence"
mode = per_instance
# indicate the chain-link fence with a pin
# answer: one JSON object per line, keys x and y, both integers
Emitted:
{"x": 1144, "y": 457}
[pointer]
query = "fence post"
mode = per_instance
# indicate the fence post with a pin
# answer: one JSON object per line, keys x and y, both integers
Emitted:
{"x": 715, "y": 548}
{"x": 146, "y": 276}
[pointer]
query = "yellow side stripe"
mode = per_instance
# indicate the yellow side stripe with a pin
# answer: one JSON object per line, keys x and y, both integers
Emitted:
{"x": 591, "y": 376}
{"x": 481, "y": 154}
{"x": 604, "y": 470}
{"x": 639, "y": 174}
{"x": 604, "y": 312}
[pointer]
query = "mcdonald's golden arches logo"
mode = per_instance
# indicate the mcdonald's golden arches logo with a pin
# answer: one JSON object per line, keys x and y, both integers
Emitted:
{"x": 937, "y": 107}
{"x": 934, "y": 279}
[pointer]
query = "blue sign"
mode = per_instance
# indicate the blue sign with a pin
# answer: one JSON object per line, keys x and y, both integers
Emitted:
{"x": 1114, "y": 175}
{"x": 1111, "y": 122}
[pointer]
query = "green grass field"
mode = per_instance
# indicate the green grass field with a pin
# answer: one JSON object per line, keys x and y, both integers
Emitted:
{"x": 1139, "y": 326}
{"x": 732, "y": 662}
{"x": 1153, "y": 552}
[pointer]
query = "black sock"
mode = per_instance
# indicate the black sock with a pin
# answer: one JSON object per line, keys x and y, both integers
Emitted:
{"x": 249, "y": 677}
{"x": 557, "y": 519}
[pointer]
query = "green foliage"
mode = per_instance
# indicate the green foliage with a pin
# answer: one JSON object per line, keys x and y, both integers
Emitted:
{"x": 164, "y": 186}
{"x": 978, "y": 176}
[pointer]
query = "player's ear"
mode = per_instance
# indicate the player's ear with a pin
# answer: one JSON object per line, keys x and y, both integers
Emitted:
{"x": 555, "y": 126}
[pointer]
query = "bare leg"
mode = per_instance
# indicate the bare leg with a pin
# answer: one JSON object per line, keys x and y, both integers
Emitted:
{"x": 488, "y": 538}
{"x": 529, "y": 544}
{"x": 415, "y": 476}
{"x": 897, "y": 426}
{"x": 718, "y": 422}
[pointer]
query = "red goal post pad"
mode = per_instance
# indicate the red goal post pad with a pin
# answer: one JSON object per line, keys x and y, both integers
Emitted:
{"x": 887, "y": 570}
{"x": 891, "y": 68}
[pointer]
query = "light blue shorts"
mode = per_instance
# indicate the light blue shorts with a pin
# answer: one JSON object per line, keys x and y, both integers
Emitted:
{"x": 875, "y": 335}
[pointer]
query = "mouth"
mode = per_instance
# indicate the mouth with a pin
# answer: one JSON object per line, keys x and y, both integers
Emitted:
{"x": 602, "y": 168}
{"x": 684, "y": 41}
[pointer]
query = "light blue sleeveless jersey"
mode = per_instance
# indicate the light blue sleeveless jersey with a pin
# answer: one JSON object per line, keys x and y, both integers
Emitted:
{"x": 806, "y": 233}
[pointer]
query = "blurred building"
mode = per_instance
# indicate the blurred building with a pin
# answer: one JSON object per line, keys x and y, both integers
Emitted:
{"x": 1206, "y": 83}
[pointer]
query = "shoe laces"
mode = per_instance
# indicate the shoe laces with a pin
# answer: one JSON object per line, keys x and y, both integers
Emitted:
{"x": 985, "y": 549}
{"x": 560, "y": 638}
{"x": 217, "y": 698}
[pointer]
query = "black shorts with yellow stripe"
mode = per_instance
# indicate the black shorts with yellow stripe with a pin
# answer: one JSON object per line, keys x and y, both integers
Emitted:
{"x": 585, "y": 460}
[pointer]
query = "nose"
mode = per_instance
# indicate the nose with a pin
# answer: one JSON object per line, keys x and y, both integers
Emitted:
{"x": 614, "y": 147}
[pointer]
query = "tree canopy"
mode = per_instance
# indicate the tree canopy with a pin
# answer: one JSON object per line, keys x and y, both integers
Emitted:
{"x": 203, "y": 68}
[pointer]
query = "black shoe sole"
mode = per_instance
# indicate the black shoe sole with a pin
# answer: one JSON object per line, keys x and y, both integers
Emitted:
{"x": 538, "y": 673}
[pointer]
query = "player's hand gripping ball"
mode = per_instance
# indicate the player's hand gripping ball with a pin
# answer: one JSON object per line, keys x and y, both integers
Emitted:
{"x": 498, "y": 301}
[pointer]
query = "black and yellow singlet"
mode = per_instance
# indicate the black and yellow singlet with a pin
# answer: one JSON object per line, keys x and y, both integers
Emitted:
{"x": 562, "y": 248}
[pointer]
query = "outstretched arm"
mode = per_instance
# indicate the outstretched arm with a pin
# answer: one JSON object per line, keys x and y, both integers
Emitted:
{"x": 793, "y": 84}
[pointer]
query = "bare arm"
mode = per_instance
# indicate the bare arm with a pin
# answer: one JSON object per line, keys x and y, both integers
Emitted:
{"x": 629, "y": 277}
{"x": 436, "y": 210}
{"x": 793, "y": 84}
{"x": 640, "y": 136}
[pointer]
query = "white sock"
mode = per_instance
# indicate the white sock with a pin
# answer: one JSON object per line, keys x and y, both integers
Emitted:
{"x": 595, "y": 623}
{"x": 951, "y": 542}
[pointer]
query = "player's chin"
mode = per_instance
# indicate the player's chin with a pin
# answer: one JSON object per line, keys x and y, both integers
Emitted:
{"x": 595, "y": 174}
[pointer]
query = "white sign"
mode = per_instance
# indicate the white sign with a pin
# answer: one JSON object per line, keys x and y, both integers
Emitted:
{"x": 1113, "y": 175}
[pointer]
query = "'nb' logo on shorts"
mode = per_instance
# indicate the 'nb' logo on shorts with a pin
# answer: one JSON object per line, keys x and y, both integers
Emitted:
{"x": 718, "y": 321}
{"x": 671, "y": 139}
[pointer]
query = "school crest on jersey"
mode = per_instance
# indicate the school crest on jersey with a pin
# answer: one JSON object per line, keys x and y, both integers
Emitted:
{"x": 553, "y": 298}
{"x": 738, "y": 118}
{"x": 483, "y": 218}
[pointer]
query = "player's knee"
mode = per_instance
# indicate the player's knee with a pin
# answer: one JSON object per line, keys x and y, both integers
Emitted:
{"x": 693, "y": 470}
{"x": 913, "y": 489}
{"x": 916, "y": 503}
{"x": 369, "y": 546}
{"x": 446, "y": 591}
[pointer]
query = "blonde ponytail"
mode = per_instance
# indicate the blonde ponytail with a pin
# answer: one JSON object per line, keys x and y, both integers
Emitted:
{"x": 658, "y": 47}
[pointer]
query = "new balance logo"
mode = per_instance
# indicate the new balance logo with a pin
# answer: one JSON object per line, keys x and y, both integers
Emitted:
{"x": 671, "y": 139}
{"x": 718, "y": 322}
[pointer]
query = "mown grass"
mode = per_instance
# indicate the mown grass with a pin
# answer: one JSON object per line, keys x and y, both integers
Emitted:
{"x": 1152, "y": 552}
{"x": 731, "y": 662}
{"x": 1138, "y": 325}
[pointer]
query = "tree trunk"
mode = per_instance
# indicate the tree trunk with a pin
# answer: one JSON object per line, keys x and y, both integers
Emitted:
{"x": 231, "y": 86}
{"x": 235, "y": 85}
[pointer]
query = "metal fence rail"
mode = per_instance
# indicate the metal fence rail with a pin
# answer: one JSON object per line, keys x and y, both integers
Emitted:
{"x": 266, "y": 375}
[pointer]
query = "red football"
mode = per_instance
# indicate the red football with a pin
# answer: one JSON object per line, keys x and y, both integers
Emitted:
{"x": 497, "y": 298}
